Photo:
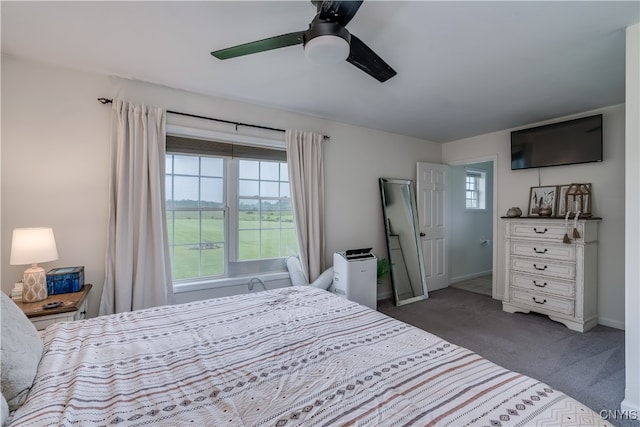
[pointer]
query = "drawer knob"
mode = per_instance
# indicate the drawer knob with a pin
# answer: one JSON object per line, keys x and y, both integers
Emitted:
{"x": 535, "y": 283}
{"x": 538, "y": 302}
{"x": 538, "y": 268}
{"x": 540, "y": 232}
{"x": 540, "y": 252}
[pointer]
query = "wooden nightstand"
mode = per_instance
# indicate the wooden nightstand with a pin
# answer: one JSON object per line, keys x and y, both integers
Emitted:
{"x": 74, "y": 307}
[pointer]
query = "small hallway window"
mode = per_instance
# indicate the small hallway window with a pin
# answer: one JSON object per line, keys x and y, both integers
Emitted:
{"x": 475, "y": 189}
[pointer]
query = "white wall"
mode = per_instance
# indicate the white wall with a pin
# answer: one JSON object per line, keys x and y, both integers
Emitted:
{"x": 469, "y": 257}
{"x": 608, "y": 183}
{"x": 55, "y": 160}
{"x": 632, "y": 207}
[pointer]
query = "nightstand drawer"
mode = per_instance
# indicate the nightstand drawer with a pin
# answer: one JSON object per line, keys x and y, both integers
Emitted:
{"x": 545, "y": 250}
{"x": 562, "y": 288}
{"x": 43, "y": 321}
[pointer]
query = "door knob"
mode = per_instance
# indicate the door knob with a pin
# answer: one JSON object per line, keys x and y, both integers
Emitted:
{"x": 422, "y": 234}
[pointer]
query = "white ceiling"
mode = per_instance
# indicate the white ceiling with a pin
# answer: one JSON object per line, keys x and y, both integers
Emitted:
{"x": 464, "y": 68}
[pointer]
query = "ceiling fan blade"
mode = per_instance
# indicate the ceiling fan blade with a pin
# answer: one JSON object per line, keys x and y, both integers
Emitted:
{"x": 340, "y": 12}
{"x": 276, "y": 42}
{"x": 368, "y": 61}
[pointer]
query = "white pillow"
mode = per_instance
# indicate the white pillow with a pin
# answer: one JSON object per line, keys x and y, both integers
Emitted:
{"x": 21, "y": 352}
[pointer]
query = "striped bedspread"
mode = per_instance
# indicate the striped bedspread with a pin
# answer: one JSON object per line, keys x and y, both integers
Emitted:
{"x": 286, "y": 357}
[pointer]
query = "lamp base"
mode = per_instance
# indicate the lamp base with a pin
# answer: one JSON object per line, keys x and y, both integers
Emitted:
{"x": 34, "y": 284}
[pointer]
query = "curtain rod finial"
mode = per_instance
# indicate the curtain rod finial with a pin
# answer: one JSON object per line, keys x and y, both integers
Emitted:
{"x": 105, "y": 101}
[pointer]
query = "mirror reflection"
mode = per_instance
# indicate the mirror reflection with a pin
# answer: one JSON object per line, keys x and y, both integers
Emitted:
{"x": 408, "y": 277}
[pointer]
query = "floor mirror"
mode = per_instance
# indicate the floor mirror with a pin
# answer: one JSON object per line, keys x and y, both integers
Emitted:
{"x": 408, "y": 278}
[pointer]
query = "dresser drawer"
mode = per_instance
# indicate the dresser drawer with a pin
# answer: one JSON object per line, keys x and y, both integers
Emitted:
{"x": 543, "y": 303}
{"x": 544, "y": 267}
{"x": 543, "y": 249}
{"x": 537, "y": 284}
{"x": 552, "y": 230}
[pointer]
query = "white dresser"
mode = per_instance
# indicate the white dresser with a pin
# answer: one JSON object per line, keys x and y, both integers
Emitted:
{"x": 545, "y": 275}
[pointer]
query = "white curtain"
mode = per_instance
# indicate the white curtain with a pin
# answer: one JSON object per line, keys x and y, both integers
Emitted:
{"x": 306, "y": 178}
{"x": 137, "y": 261}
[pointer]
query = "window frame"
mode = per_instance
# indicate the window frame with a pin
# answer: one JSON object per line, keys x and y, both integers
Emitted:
{"x": 480, "y": 177}
{"x": 197, "y": 145}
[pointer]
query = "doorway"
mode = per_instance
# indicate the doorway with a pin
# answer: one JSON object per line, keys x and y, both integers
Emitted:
{"x": 472, "y": 235}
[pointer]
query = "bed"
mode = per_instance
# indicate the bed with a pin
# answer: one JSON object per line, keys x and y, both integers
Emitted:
{"x": 285, "y": 357}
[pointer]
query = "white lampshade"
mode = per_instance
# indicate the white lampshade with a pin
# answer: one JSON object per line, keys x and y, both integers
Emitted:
{"x": 327, "y": 49}
{"x": 33, "y": 245}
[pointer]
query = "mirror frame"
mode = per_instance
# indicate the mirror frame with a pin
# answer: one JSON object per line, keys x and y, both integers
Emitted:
{"x": 387, "y": 232}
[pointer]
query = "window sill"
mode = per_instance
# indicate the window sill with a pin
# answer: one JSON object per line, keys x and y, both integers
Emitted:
{"x": 226, "y": 282}
{"x": 468, "y": 210}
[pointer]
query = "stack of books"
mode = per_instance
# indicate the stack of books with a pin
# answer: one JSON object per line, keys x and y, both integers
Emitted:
{"x": 16, "y": 292}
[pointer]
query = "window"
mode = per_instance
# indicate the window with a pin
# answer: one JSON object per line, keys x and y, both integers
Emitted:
{"x": 265, "y": 215}
{"x": 228, "y": 210}
{"x": 475, "y": 189}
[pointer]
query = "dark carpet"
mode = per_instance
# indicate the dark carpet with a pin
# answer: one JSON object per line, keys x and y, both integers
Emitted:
{"x": 586, "y": 366}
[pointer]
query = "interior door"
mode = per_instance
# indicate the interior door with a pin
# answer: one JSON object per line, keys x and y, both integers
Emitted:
{"x": 433, "y": 219}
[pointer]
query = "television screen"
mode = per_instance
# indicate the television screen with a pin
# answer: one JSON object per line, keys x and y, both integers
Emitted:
{"x": 564, "y": 143}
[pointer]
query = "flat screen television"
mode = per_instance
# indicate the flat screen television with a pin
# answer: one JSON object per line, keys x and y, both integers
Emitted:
{"x": 564, "y": 143}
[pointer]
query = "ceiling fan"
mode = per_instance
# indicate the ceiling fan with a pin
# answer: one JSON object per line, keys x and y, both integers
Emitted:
{"x": 327, "y": 39}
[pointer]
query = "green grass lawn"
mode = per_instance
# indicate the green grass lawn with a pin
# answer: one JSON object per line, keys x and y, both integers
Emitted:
{"x": 197, "y": 245}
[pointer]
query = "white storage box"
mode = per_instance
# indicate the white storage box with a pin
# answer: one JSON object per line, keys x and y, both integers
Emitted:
{"x": 355, "y": 275}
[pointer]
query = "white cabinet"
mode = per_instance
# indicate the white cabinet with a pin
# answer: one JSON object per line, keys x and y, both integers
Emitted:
{"x": 545, "y": 275}
{"x": 354, "y": 276}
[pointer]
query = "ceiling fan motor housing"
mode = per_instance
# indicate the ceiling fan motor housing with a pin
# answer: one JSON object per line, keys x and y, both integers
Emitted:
{"x": 326, "y": 42}
{"x": 319, "y": 28}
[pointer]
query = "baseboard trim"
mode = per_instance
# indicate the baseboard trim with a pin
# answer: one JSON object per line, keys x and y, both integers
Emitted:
{"x": 627, "y": 405}
{"x": 469, "y": 276}
{"x": 384, "y": 295}
{"x": 611, "y": 323}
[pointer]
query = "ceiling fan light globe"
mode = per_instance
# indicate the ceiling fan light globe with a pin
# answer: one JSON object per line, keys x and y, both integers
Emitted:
{"x": 327, "y": 49}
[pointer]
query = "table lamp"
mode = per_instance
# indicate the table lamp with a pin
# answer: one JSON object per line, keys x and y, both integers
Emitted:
{"x": 31, "y": 246}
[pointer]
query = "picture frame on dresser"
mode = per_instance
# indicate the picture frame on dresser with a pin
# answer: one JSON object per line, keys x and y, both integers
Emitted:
{"x": 562, "y": 199}
{"x": 542, "y": 197}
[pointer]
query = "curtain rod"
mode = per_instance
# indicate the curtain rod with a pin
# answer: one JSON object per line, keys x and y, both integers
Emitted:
{"x": 109, "y": 101}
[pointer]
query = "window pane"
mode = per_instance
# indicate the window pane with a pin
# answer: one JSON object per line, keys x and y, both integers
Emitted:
{"x": 168, "y": 185}
{"x": 284, "y": 189}
{"x": 185, "y": 191}
{"x": 213, "y": 261}
{"x": 270, "y": 244}
{"x": 168, "y": 164}
{"x": 249, "y": 169}
{"x": 212, "y": 247}
{"x": 269, "y": 189}
{"x": 270, "y": 214}
{"x": 248, "y": 188}
{"x": 285, "y": 204}
{"x": 186, "y": 165}
{"x": 187, "y": 227}
{"x": 212, "y": 166}
{"x": 284, "y": 172}
{"x": 186, "y": 262}
{"x": 213, "y": 229}
{"x": 170, "y": 227}
{"x": 248, "y": 245}
{"x": 289, "y": 244}
{"x": 249, "y": 215}
{"x": 211, "y": 192}
{"x": 269, "y": 171}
